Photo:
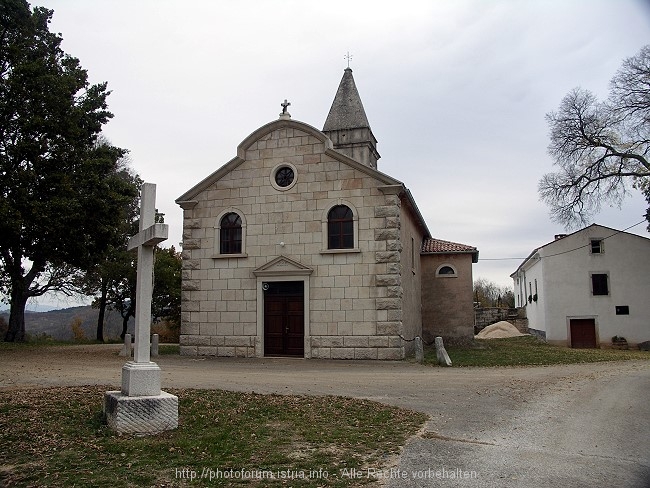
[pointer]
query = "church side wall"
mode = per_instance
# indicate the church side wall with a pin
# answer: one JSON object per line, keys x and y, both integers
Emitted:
{"x": 447, "y": 302}
{"x": 411, "y": 279}
{"x": 349, "y": 317}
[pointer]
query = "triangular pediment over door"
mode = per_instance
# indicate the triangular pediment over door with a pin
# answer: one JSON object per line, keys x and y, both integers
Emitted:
{"x": 281, "y": 266}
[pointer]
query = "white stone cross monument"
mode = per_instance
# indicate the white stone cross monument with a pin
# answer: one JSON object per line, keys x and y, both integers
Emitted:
{"x": 141, "y": 407}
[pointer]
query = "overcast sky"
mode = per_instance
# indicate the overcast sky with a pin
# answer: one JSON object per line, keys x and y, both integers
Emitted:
{"x": 455, "y": 92}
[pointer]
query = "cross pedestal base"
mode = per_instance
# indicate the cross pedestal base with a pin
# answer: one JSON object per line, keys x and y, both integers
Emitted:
{"x": 140, "y": 414}
{"x": 140, "y": 379}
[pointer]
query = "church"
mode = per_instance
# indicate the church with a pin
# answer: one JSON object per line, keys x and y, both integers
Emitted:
{"x": 299, "y": 246}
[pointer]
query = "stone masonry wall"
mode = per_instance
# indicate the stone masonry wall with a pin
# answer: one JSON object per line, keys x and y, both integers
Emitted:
{"x": 355, "y": 307}
{"x": 389, "y": 278}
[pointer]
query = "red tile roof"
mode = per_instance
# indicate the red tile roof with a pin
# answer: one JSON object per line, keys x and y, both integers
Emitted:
{"x": 431, "y": 245}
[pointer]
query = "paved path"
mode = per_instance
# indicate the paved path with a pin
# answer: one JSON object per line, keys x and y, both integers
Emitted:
{"x": 562, "y": 426}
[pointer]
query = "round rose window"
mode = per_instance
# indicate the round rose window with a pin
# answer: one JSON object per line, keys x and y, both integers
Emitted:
{"x": 284, "y": 176}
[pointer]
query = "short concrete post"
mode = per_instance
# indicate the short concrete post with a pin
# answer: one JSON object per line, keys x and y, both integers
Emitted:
{"x": 154, "y": 345}
{"x": 419, "y": 351}
{"x": 126, "y": 348}
{"x": 441, "y": 353}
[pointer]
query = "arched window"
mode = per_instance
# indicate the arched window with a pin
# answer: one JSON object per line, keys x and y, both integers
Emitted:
{"x": 231, "y": 234}
{"x": 446, "y": 271}
{"x": 340, "y": 228}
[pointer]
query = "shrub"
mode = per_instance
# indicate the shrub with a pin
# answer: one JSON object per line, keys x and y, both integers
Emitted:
{"x": 78, "y": 334}
{"x": 167, "y": 331}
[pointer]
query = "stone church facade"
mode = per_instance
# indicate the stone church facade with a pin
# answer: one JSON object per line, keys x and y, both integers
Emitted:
{"x": 299, "y": 246}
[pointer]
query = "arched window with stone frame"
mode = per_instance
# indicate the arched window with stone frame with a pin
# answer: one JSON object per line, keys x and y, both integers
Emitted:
{"x": 340, "y": 228}
{"x": 446, "y": 271}
{"x": 230, "y": 234}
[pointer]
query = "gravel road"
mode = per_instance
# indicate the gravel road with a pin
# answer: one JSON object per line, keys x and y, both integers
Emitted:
{"x": 584, "y": 425}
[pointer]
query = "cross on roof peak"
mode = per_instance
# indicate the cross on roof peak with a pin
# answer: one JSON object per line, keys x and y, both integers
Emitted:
{"x": 285, "y": 113}
{"x": 349, "y": 57}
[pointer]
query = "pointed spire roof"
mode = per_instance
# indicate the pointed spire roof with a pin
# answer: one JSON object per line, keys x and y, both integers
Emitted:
{"x": 347, "y": 110}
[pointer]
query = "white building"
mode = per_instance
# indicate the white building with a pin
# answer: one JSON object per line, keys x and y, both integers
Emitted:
{"x": 584, "y": 288}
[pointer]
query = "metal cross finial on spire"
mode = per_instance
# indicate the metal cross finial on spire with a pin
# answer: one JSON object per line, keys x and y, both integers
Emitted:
{"x": 284, "y": 105}
{"x": 348, "y": 56}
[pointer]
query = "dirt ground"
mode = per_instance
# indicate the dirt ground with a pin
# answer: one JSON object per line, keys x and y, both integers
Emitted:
{"x": 570, "y": 425}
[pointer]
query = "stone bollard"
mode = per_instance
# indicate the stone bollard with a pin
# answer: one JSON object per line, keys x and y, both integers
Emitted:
{"x": 154, "y": 345}
{"x": 441, "y": 353}
{"x": 419, "y": 352}
{"x": 126, "y": 349}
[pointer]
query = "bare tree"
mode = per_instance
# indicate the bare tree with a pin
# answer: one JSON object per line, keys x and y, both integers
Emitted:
{"x": 601, "y": 148}
{"x": 489, "y": 294}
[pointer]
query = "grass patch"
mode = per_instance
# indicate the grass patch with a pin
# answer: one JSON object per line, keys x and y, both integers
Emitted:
{"x": 527, "y": 351}
{"x": 35, "y": 342}
{"x": 169, "y": 349}
{"x": 56, "y": 437}
{"x": 163, "y": 349}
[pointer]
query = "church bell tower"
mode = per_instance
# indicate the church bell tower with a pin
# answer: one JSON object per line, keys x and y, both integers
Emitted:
{"x": 347, "y": 125}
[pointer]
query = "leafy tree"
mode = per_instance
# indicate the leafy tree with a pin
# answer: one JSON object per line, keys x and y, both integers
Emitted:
{"x": 166, "y": 299}
{"x": 601, "y": 148}
{"x": 121, "y": 293}
{"x": 61, "y": 196}
{"x": 115, "y": 279}
{"x": 103, "y": 279}
{"x": 106, "y": 280}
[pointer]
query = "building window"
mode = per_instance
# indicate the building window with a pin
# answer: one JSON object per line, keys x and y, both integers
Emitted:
{"x": 284, "y": 176}
{"x": 599, "y": 284}
{"x": 340, "y": 228}
{"x": 596, "y": 246}
{"x": 622, "y": 310}
{"x": 230, "y": 237}
{"x": 446, "y": 271}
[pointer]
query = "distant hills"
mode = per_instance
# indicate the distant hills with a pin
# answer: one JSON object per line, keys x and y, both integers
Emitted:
{"x": 58, "y": 323}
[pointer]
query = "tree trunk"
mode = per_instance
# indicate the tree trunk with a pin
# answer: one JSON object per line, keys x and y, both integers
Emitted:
{"x": 102, "y": 310}
{"x": 20, "y": 293}
{"x": 16, "y": 330}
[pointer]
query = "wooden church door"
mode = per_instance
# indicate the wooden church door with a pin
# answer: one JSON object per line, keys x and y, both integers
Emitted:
{"x": 284, "y": 319}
